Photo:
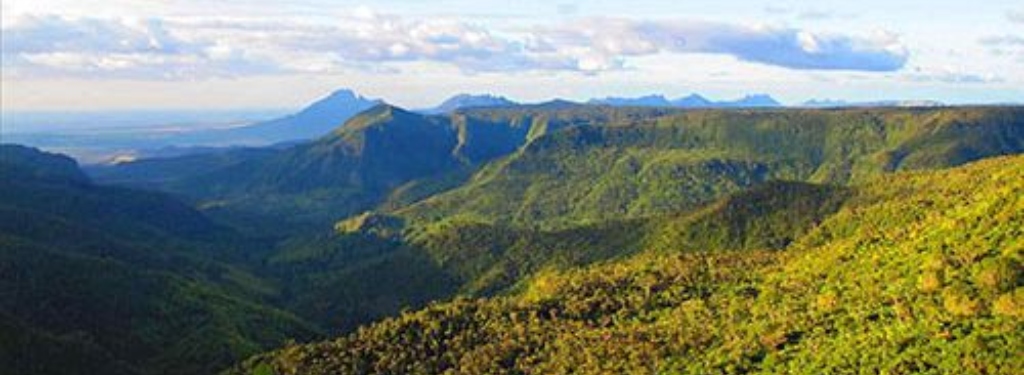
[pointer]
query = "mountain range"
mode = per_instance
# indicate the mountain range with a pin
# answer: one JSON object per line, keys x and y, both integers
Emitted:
{"x": 314, "y": 120}
{"x": 465, "y": 101}
{"x": 691, "y": 101}
{"x": 559, "y": 237}
{"x": 115, "y": 145}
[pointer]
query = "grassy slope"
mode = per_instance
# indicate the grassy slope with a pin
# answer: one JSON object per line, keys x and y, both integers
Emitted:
{"x": 915, "y": 273}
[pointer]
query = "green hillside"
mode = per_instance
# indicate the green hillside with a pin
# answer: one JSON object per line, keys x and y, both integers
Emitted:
{"x": 483, "y": 238}
{"x": 520, "y": 206}
{"x": 678, "y": 161}
{"x": 558, "y": 165}
{"x": 912, "y": 273}
{"x": 111, "y": 280}
{"x": 482, "y": 198}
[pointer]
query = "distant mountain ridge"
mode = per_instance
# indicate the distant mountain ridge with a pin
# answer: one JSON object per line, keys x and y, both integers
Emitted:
{"x": 465, "y": 101}
{"x": 691, "y": 101}
{"x": 313, "y": 121}
{"x": 468, "y": 101}
{"x": 383, "y": 156}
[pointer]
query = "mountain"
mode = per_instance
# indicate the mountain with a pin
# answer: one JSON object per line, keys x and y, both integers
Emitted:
{"x": 560, "y": 165}
{"x": 547, "y": 237}
{"x": 874, "y": 285}
{"x": 750, "y": 101}
{"x": 464, "y": 101}
{"x": 118, "y": 281}
{"x": 637, "y": 164}
{"x": 313, "y": 121}
{"x": 643, "y": 101}
{"x": 691, "y": 101}
{"x": 359, "y": 165}
{"x": 20, "y": 162}
{"x": 564, "y": 164}
{"x": 473, "y": 203}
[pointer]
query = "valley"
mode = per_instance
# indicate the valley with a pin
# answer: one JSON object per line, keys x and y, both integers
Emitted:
{"x": 540, "y": 238}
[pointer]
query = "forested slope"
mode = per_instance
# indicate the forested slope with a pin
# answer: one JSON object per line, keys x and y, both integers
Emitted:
{"x": 111, "y": 280}
{"x": 914, "y": 273}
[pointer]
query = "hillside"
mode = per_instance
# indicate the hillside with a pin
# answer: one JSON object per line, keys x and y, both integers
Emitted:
{"x": 477, "y": 203}
{"x": 917, "y": 272}
{"x": 633, "y": 167}
{"x": 111, "y": 280}
{"x": 560, "y": 164}
{"x": 384, "y": 155}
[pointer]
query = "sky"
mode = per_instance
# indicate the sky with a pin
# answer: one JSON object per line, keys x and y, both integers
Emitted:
{"x": 218, "y": 54}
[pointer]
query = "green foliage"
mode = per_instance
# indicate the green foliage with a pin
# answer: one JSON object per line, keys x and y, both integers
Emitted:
{"x": 111, "y": 280}
{"x": 603, "y": 240}
{"x": 678, "y": 161}
{"x": 559, "y": 165}
{"x": 843, "y": 297}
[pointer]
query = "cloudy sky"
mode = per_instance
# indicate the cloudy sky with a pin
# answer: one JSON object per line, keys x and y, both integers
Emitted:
{"x": 131, "y": 54}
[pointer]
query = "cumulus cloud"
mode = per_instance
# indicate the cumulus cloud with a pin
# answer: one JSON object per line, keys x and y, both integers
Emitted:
{"x": 605, "y": 42}
{"x": 196, "y": 48}
{"x": 129, "y": 48}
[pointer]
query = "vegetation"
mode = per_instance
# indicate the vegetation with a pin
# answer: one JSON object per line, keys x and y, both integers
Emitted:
{"x": 558, "y": 165}
{"x": 680, "y": 161}
{"x": 110, "y": 280}
{"x": 532, "y": 239}
{"x": 915, "y": 273}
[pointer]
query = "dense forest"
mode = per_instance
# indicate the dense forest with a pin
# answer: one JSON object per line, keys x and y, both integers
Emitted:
{"x": 913, "y": 273}
{"x": 551, "y": 238}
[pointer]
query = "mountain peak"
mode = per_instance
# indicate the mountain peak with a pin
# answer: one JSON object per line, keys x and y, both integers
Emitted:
{"x": 692, "y": 100}
{"x": 753, "y": 101}
{"x": 340, "y": 98}
{"x": 653, "y": 100}
{"x": 374, "y": 116}
{"x": 344, "y": 94}
{"x": 464, "y": 100}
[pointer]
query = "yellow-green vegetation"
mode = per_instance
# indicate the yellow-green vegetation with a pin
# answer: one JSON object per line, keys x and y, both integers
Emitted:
{"x": 634, "y": 166}
{"x": 914, "y": 273}
{"x": 560, "y": 165}
{"x": 396, "y": 210}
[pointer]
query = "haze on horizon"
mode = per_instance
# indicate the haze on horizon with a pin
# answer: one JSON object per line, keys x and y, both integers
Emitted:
{"x": 130, "y": 54}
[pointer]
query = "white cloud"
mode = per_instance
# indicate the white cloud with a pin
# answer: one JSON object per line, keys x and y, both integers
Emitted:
{"x": 952, "y": 75}
{"x": 1005, "y": 45}
{"x": 1015, "y": 16}
{"x": 956, "y": 78}
{"x": 613, "y": 39}
{"x": 176, "y": 48}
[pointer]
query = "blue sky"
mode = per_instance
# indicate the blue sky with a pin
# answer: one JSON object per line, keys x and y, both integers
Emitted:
{"x": 130, "y": 54}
